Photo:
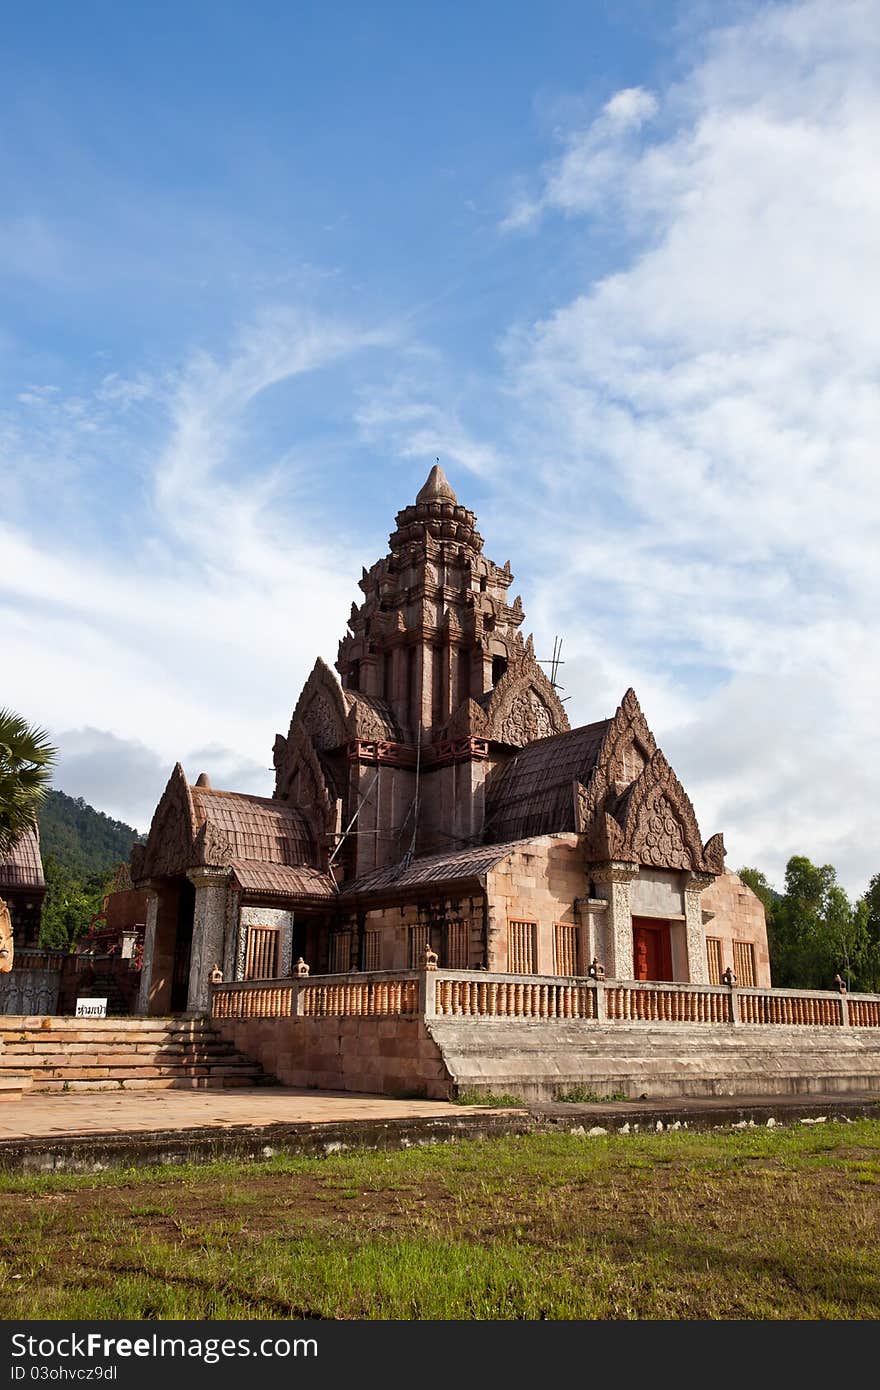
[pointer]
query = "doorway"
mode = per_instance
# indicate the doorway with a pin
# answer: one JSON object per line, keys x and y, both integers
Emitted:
{"x": 652, "y": 949}
{"x": 186, "y": 904}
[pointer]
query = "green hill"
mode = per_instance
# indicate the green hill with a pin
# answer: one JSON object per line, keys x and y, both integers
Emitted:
{"x": 85, "y": 842}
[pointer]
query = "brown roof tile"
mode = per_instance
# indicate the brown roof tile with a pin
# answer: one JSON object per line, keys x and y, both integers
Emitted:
{"x": 22, "y": 867}
{"x": 432, "y": 868}
{"x": 532, "y": 794}
{"x": 255, "y": 827}
{"x": 282, "y": 880}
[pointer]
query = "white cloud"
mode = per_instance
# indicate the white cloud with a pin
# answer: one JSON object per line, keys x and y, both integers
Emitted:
{"x": 186, "y": 616}
{"x": 588, "y": 172}
{"x": 713, "y": 417}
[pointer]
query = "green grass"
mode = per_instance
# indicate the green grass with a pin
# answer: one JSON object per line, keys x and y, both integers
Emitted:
{"x": 756, "y": 1224}
{"x": 471, "y": 1096}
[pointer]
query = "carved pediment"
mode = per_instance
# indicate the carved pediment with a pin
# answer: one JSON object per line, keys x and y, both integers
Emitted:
{"x": 524, "y": 707}
{"x": 321, "y": 709}
{"x": 169, "y": 848}
{"x": 301, "y": 780}
{"x": 659, "y": 825}
{"x": 370, "y": 718}
{"x": 211, "y": 848}
{"x": 468, "y": 721}
{"x": 627, "y": 747}
{"x": 714, "y": 854}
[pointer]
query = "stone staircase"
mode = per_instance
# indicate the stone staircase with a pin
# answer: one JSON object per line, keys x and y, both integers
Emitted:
{"x": 543, "y": 1059}
{"x": 122, "y": 1054}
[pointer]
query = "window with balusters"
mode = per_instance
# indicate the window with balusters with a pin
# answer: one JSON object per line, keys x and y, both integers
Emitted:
{"x": 522, "y": 948}
{"x": 261, "y": 958}
{"x": 714, "y": 960}
{"x": 457, "y": 945}
{"x": 418, "y": 940}
{"x": 566, "y": 954}
{"x": 744, "y": 963}
{"x": 340, "y": 953}
{"x": 372, "y": 950}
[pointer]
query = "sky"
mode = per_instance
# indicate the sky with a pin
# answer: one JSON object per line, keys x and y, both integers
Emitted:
{"x": 614, "y": 264}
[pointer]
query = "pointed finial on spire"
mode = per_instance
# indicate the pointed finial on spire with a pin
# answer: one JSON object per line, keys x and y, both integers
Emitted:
{"x": 437, "y": 488}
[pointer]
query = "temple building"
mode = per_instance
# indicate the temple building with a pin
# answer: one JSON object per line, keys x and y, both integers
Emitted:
{"x": 433, "y": 796}
{"x": 23, "y": 887}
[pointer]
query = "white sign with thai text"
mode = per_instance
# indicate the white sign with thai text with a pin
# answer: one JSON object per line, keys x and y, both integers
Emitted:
{"x": 91, "y": 1008}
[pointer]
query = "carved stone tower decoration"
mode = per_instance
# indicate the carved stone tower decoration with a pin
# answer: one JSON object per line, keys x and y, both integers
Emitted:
{"x": 437, "y": 636}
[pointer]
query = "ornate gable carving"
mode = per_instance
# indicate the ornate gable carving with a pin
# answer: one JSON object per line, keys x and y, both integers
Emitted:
{"x": 169, "y": 847}
{"x": 321, "y": 709}
{"x": 524, "y": 707}
{"x": 660, "y": 827}
{"x": 714, "y": 853}
{"x": 627, "y": 747}
{"x": 300, "y": 779}
{"x": 370, "y": 718}
{"x": 211, "y": 848}
{"x": 468, "y": 721}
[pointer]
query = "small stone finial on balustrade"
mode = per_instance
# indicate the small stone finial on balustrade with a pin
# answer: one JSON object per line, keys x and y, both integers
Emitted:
{"x": 840, "y": 984}
{"x": 729, "y": 977}
{"x": 596, "y": 971}
{"x": 216, "y": 976}
{"x": 430, "y": 959}
{"x": 301, "y": 970}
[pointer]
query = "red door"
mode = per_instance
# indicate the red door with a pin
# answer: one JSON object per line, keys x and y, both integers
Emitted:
{"x": 652, "y": 949}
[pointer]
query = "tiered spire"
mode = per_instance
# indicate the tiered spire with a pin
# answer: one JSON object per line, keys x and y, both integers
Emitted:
{"x": 435, "y": 628}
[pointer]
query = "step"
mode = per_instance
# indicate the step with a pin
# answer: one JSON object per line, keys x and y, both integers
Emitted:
{"x": 14, "y": 1087}
{"x": 83, "y": 1054}
{"x": 71, "y": 1055}
{"x": 174, "y": 1083}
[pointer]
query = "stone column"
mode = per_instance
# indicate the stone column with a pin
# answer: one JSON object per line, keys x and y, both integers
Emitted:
{"x": 209, "y": 930}
{"x": 694, "y": 931}
{"x": 615, "y": 878}
{"x": 143, "y": 1003}
{"x": 591, "y": 918}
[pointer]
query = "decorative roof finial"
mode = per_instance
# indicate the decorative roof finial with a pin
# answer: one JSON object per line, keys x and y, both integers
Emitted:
{"x": 437, "y": 488}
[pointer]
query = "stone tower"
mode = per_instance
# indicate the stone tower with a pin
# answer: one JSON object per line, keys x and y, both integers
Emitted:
{"x": 435, "y": 628}
{"x": 438, "y": 686}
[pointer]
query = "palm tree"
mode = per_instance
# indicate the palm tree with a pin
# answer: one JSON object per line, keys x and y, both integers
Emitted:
{"x": 26, "y": 759}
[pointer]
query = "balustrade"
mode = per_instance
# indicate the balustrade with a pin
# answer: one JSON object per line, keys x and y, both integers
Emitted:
{"x": 477, "y": 994}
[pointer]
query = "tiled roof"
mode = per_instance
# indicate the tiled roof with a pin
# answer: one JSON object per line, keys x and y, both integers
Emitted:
{"x": 433, "y": 868}
{"x": 22, "y": 867}
{"x": 256, "y": 827}
{"x": 532, "y": 794}
{"x": 282, "y": 879}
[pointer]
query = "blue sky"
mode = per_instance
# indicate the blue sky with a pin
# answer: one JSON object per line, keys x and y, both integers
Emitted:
{"x": 614, "y": 263}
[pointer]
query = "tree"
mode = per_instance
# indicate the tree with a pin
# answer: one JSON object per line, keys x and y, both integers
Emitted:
{"x": 72, "y": 901}
{"x": 869, "y": 908}
{"x": 815, "y": 933}
{"x": 26, "y": 760}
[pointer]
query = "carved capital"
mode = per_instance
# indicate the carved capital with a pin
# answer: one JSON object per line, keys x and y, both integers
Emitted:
{"x": 618, "y": 871}
{"x": 696, "y": 882}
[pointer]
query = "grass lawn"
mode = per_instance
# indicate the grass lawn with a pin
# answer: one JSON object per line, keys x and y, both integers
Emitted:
{"x": 751, "y": 1224}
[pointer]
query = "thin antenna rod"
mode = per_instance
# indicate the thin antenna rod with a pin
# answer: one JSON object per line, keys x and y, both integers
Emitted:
{"x": 415, "y": 806}
{"x": 360, "y": 806}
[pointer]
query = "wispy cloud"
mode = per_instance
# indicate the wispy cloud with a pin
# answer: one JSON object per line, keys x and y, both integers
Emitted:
{"x": 714, "y": 404}
{"x": 189, "y": 615}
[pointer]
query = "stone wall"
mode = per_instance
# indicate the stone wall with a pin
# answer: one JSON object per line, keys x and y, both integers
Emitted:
{"x": 380, "y": 1056}
{"x": 539, "y": 883}
{"x": 435, "y": 919}
{"x": 739, "y": 916}
{"x": 542, "y": 1060}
